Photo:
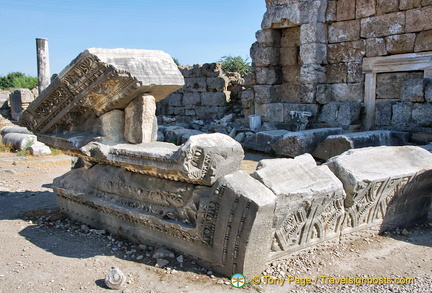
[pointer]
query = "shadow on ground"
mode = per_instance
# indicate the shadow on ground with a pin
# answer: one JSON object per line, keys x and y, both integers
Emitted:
{"x": 56, "y": 234}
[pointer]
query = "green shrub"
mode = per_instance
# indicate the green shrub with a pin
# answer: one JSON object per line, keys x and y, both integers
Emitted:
{"x": 18, "y": 80}
{"x": 235, "y": 64}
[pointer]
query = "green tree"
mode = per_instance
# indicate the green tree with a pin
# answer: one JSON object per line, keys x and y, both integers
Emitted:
{"x": 18, "y": 80}
{"x": 235, "y": 64}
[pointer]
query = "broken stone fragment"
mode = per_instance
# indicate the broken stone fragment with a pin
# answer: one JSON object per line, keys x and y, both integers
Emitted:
{"x": 115, "y": 279}
{"x": 99, "y": 81}
{"x": 309, "y": 202}
{"x": 386, "y": 185}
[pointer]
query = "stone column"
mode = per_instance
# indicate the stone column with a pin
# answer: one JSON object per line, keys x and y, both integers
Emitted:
{"x": 42, "y": 63}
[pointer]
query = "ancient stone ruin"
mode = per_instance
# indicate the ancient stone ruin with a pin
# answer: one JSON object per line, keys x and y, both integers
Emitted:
{"x": 351, "y": 64}
{"x": 322, "y": 71}
{"x": 194, "y": 198}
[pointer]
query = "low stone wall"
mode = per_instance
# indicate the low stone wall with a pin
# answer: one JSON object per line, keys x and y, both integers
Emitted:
{"x": 208, "y": 94}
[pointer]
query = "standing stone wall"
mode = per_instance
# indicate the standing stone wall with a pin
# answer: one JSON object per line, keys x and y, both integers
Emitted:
{"x": 309, "y": 57}
{"x": 205, "y": 96}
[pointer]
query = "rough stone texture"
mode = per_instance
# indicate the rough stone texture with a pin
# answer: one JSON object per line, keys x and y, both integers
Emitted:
{"x": 206, "y": 93}
{"x": 365, "y": 8}
{"x": 301, "y": 142}
{"x": 422, "y": 114}
{"x": 313, "y": 33}
{"x": 340, "y": 114}
{"x": 428, "y": 90}
{"x": 263, "y": 140}
{"x": 383, "y": 116}
{"x": 389, "y": 85}
{"x": 313, "y": 53}
{"x": 399, "y": 44}
{"x": 346, "y": 52}
{"x": 413, "y": 90}
{"x": 387, "y": 6}
{"x": 140, "y": 120}
{"x": 18, "y": 141}
{"x": 112, "y": 125}
{"x": 344, "y": 31}
{"x": 335, "y": 145}
{"x": 390, "y": 186}
{"x": 19, "y": 101}
{"x": 264, "y": 56}
{"x": 401, "y": 114}
{"x": 375, "y": 47}
{"x": 309, "y": 202}
{"x": 225, "y": 226}
{"x": 419, "y": 19}
{"x": 345, "y": 10}
{"x": 383, "y": 25}
{"x": 347, "y": 92}
{"x": 423, "y": 41}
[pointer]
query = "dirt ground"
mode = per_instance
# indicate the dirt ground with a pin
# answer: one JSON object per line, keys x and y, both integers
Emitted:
{"x": 43, "y": 251}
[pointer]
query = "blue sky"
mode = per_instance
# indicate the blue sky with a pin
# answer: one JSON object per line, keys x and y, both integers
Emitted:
{"x": 193, "y": 31}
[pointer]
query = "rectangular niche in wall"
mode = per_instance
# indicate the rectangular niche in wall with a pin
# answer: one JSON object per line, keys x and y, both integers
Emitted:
{"x": 419, "y": 63}
{"x": 290, "y": 64}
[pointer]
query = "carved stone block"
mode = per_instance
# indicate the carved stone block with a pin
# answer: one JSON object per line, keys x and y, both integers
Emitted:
{"x": 390, "y": 186}
{"x": 309, "y": 202}
{"x": 98, "y": 81}
{"x": 140, "y": 120}
{"x": 227, "y": 227}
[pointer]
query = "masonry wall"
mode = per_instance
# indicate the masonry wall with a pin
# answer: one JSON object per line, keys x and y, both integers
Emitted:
{"x": 206, "y": 95}
{"x": 308, "y": 57}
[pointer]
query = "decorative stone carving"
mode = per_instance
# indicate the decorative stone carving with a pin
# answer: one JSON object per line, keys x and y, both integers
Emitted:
{"x": 309, "y": 202}
{"x": 390, "y": 186}
{"x": 227, "y": 226}
{"x": 98, "y": 81}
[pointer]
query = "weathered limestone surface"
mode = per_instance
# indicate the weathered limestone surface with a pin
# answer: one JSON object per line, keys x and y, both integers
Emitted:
{"x": 263, "y": 140}
{"x": 140, "y": 120}
{"x": 226, "y": 226}
{"x": 98, "y": 81}
{"x": 14, "y": 129}
{"x": 297, "y": 143}
{"x": 309, "y": 202}
{"x": 19, "y": 141}
{"x": 391, "y": 186}
{"x": 201, "y": 160}
{"x": 337, "y": 144}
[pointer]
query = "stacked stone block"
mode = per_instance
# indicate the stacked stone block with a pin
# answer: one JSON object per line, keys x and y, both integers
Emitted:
{"x": 311, "y": 53}
{"x": 204, "y": 96}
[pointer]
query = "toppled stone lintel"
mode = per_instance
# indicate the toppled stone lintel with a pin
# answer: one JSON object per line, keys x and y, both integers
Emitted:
{"x": 201, "y": 160}
{"x": 227, "y": 227}
{"x": 98, "y": 81}
{"x": 391, "y": 186}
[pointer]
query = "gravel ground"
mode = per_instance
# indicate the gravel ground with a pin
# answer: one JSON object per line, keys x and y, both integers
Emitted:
{"x": 43, "y": 251}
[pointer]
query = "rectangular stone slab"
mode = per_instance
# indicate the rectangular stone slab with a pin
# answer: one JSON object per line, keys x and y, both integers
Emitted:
{"x": 335, "y": 145}
{"x": 97, "y": 81}
{"x": 227, "y": 226}
{"x": 391, "y": 186}
{"x": 201, "y": 160}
